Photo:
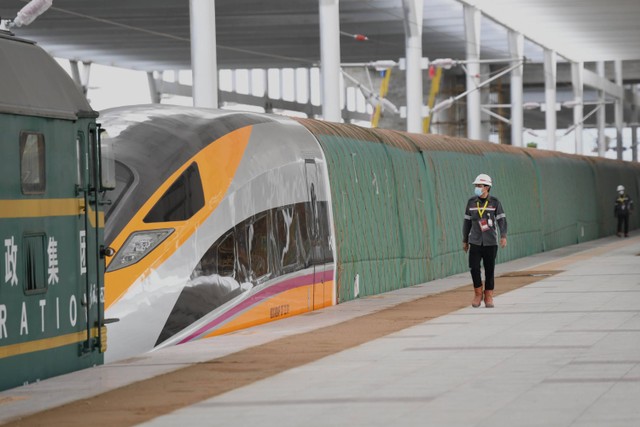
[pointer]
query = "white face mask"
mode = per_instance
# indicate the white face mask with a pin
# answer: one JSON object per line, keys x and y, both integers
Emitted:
{"x": 621, "y": 192}
{"x": 478, "y": 191}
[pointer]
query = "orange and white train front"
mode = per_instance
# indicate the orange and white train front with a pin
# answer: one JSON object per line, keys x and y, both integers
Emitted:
{"x": 220, "y": 221}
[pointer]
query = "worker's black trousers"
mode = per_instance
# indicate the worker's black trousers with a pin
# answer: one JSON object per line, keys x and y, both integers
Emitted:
{"x": 623, "y": 220}
{"x": 486, "y": 254}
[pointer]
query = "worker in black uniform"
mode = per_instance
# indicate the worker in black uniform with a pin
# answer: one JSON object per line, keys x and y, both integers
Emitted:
{"x": 482, "y": 218}
{"x": 622, "y": 209}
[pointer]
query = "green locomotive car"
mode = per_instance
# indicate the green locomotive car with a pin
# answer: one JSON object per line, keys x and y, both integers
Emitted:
{"x": 51, "y": 220}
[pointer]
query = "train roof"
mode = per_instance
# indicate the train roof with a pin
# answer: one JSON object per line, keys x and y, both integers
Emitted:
{"x": 32, "y": 83}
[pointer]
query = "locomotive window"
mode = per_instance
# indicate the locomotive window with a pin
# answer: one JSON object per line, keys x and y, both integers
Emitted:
{"x": 34, "y": 264}
{"x": 32, "y": 167}
{"x": 258, "y": 252}
{"x": 81, "y": 161}
{"x": 181, "y": 201}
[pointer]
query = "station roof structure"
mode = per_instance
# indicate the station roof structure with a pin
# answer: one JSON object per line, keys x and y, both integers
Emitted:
{"x": 155, "y": 34}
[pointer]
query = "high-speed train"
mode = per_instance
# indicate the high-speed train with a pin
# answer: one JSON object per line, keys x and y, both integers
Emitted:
{"x": 222, "y": 220}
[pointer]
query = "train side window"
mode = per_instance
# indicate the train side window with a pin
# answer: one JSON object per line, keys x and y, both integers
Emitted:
{"x": 182, "y": 200}
{"x": 219, "y": 259}
{"x": 34, "y": 264}
{"x": 287, "y": 229}
{"x": 325, "y": 233}
{"x": 257, "y": 235}
{"x": 32, "y": 163}
{"x": 225, "y": 258}
{"x": 242, "y": 259}
{"x": 305, "y": 250}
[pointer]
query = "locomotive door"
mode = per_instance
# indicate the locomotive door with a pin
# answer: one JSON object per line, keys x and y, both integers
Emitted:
{"x": 314, "y": 227}
{"x": 87, "y": 234}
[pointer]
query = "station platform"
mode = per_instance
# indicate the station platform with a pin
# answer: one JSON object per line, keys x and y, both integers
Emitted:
{"x": 560, "y": 348}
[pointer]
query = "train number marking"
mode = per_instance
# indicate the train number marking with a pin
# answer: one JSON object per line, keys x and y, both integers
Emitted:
{"x": 278, "y": 311}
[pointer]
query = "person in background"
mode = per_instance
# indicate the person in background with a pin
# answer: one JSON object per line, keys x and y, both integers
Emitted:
{"x": 482, "y": 218}
{"x": 621, "y": 210}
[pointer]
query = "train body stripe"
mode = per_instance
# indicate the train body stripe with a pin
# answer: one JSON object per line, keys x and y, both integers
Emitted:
{"x": 43, "y": 208}
{"x": 269, "y": 292}
{"x": 45, "y": 344}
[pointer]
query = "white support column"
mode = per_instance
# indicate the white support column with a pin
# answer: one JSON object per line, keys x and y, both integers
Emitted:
{"x": 472, "y": 33}
{"x": 516, "y": 49}
{"x": 634, "y": 138}
{"x": 577, "y": 80}
{"x": 265, "y": 82}
{"x": 413, "y": 51}
{"x": 550, "y": 81}
{"x": 154, "y": 91}
{"x": 618, "y": 109}
{"x": 204, "y": 62}
{"x": 309, "y": 90}
{"x": 330, "y": 59}
{"x": 268, "y": 107}
{"x": 634, "y": 125}
{"x": 600, "y": 114}
{"x": 485, "y": 99}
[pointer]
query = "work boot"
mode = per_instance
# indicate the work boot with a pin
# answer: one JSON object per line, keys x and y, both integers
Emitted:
{"x": 477, "y": 299}
{"x": 488, "y": 299}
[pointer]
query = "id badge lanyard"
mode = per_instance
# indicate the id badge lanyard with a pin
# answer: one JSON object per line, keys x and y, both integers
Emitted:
{"x": 483, "y": 222}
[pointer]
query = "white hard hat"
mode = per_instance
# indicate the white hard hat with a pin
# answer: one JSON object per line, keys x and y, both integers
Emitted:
{"x": 483, "y": 179}
{"x": 620, "y": 188}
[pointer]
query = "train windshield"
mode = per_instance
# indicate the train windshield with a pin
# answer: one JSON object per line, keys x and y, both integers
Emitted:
{"x": 124, "y": 179}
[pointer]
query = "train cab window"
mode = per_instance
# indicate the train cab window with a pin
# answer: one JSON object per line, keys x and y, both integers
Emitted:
{"x": 124, "y": 179}
{"x": 257, "y": 235}
{"x": 34, "y": 264}
{"x": 181, "y": 201}
{"x": 32, "y": 163}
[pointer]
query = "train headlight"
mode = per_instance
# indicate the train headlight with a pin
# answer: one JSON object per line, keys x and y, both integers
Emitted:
{"x": 137, "y": 246}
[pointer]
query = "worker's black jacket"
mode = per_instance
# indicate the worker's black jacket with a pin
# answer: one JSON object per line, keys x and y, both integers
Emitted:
{"x": 623, "y": 205}
{"x": 492, "y": 213}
